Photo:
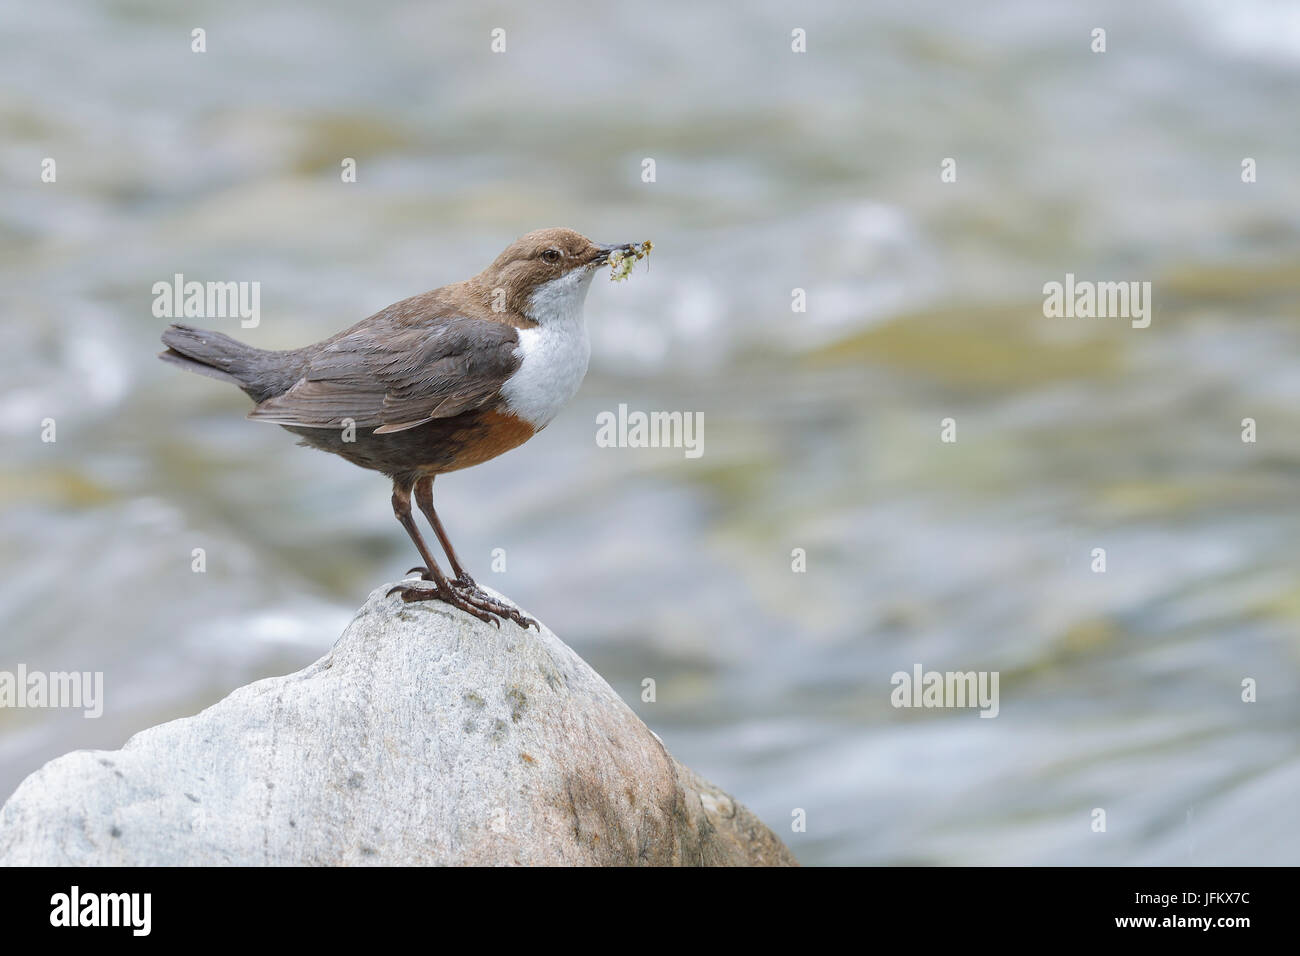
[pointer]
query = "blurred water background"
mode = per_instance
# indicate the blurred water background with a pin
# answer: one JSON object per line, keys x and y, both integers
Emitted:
{"x": 775, "y": 170}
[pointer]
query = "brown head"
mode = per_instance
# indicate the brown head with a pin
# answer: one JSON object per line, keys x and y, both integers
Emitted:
{"x": 544, "y": 271}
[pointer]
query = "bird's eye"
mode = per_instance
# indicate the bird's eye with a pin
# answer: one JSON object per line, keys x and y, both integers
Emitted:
{"x": 551, "y": 255}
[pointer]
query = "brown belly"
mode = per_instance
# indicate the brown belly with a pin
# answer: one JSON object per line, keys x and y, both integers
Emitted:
{"x": 489, "y": 435}
{"x": 440, "y": 446}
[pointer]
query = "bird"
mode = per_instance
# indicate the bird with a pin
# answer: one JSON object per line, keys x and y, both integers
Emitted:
{"x": 433, "y": 384}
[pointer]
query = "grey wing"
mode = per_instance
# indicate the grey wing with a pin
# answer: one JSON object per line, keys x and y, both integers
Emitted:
{"x": 391, "y": 377}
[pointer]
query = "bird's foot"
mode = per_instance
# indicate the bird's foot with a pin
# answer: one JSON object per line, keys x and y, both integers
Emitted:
{"x": 411, "y": 594}
{"x": 471, "y": 592}
{"x": 487, "y": 602}
{"x": 467, "y": 596}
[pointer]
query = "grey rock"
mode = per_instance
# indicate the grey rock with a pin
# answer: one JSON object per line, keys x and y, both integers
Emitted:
{"x": 423, "y": 737}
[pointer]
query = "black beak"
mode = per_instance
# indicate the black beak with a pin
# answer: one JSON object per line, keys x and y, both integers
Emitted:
{"x": 602, "y": 256}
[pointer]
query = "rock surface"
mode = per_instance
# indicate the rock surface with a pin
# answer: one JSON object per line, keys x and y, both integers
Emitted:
{"x": 423, "y": 737}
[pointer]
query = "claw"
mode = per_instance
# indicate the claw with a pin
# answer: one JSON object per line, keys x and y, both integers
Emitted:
{"x": 467, "y": 590}
{"x": 487, "y": 602}
{"x": 476, "y": 602}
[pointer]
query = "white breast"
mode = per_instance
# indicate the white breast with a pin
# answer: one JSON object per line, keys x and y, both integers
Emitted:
{"x": 553, "y": 356}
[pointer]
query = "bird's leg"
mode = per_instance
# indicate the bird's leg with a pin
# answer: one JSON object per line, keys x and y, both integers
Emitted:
{"x": 443, "y": 591}
{"x": 424, "y": 498}
{"x": 463, "y": 583}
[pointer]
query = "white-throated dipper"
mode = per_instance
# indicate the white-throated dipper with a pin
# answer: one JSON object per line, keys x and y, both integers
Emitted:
{"x": 434, "y": 383}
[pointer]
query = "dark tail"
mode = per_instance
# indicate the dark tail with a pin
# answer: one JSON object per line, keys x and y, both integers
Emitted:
{"x": 258, "y": 372}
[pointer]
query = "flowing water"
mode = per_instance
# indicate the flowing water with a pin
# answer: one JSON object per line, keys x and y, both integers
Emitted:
{"x": 774, "y": 171}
